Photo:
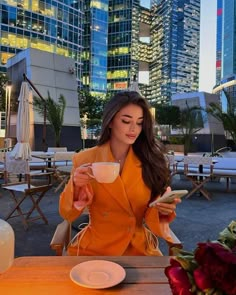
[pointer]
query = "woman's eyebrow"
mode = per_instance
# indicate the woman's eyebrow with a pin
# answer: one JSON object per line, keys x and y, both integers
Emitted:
{"x": 128, "y": 116}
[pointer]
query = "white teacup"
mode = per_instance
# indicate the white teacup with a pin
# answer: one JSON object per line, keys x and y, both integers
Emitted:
{"x": 105, "y": 172}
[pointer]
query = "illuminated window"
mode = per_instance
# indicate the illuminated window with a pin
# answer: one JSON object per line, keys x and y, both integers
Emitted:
{"x": 119, "y": 51}
{"x": 120, "y": 85}
{"x": 5, "y": 56}
{"x": 117, "y": 74}
{"x": 99, "y": 5}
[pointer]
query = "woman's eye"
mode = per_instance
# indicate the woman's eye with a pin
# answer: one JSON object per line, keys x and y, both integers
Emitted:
{"x": 140, "y": 124}
{"x": 125, "y": 122}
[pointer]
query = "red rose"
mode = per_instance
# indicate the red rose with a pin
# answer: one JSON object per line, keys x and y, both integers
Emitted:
{"x": 178, "y": 278}
{"x": 202, "y": 280}
{"x": 219, "y": 265}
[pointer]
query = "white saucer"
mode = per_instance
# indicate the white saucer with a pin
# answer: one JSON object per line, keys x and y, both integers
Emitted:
{"x": 97, "y": 274}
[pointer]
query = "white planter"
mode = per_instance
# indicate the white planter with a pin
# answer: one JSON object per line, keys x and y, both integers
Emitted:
{"x": 7, "y": 246}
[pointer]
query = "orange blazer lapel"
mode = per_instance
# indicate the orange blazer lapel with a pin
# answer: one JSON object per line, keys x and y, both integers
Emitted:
{"x": 130, "y": 176}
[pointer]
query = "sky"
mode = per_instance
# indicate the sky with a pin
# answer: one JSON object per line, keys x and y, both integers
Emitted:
{"x": 207, "y": 44}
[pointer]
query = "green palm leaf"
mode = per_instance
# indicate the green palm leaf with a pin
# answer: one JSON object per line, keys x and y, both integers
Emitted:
{"x": 54, "y": 113}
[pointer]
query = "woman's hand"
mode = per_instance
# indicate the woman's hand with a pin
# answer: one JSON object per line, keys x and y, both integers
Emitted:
{"x": 80, "y": 176}
{"x": 83, "y": 194}
{"x": 167, "y": 208}
{"x": 84, "y": 198}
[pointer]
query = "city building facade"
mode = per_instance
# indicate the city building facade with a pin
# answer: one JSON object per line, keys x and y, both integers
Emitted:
{"x": 123, "y": 38}
{"x": 226, "y": 54}
{"x": 111, "y": 41}
{"x": 219, "y": 19}
{"x": 95, "y": 47}
{"x": 228, "y": 39}
{"x": 49, "y": 75}
{"x": 212, "y": 131}
{"x": 175, "y": 35}
{"x": 54, "y": 26}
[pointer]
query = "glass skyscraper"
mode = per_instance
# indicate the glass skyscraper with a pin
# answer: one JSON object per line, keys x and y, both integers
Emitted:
{"x": 228, "y": 38}
{"x": 218, "y": 40}
{"x": 123, "y": 36}
{"x": 49, "y": 25}
{"x": 95, "y": 46}
{"x": 111, "y": 37}
{"x": 226, "y": 52}
{"x": 175, "y": 35}
{"x": 107, "y": 41}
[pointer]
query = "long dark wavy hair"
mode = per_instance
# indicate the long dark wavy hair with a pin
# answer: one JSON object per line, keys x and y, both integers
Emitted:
{"x": 147, "y": 148}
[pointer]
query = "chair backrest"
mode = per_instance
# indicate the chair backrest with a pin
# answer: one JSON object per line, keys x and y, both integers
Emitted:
{"x": 198, "y": 164}
{"x": 62, "y": 158}
{"x": 171, "y": 163}
{"x": 170, "y": 159}
{"x": 197, "y": 160}
{"x": 57, "y": 149}
{"x": 15, "y": 167}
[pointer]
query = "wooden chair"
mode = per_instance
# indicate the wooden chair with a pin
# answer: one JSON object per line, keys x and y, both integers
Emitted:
{"x": 57, "y": 149}
{"x": 63, "y": 234}
{"x": 199, "y": 170}
{"x": 61, "y": 159}
{"x": 18, "y": 182}
{"x": 172, "y": 164}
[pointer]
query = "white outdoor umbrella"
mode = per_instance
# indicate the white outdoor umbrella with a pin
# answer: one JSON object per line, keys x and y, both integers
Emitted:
{"x": 22, "y": 148}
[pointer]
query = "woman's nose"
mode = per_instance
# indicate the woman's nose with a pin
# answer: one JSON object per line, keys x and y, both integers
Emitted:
{"x": 132, "y": 127}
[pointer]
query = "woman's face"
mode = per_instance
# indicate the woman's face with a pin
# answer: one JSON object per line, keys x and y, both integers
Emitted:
{"x": 127, "y": 124}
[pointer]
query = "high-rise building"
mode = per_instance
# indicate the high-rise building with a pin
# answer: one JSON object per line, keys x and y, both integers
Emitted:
{"x": 228, "y": 39}
{"x": 111, "y": 55}
{"x": 218, "y": 40}
{"x": 123, "y": 37}
{"x": 95, "y": 47}
{"x": 50, "y": 25}
{"x": 175, "y": 35}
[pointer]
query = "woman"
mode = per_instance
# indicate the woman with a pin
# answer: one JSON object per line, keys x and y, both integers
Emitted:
{"x": 121, "y": 223}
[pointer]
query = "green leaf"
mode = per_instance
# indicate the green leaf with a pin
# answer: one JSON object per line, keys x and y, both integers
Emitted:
{"x": 54, "y": 113}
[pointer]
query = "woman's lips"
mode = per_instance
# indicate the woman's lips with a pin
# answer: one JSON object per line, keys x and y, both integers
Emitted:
{"x": 131, "y": 136}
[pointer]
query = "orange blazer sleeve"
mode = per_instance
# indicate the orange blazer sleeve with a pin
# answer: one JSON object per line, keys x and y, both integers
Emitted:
{"x": 159, "y": 225}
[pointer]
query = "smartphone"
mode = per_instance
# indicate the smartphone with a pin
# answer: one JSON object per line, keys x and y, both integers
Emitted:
{"x": 169, "y": 197}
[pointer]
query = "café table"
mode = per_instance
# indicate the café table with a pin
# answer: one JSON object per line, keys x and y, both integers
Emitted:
{"x": 51, "y": 275}
{"x": 47, "y": 157}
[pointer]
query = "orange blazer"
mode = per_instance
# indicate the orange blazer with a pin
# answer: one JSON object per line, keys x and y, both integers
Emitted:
{"x": 119, "y": 212}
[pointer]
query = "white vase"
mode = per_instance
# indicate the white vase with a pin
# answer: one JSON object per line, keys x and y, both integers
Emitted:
{"x": 7, "y": 246}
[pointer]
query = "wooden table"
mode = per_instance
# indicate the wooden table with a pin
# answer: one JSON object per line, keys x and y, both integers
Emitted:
{"x": 50, "y": 275}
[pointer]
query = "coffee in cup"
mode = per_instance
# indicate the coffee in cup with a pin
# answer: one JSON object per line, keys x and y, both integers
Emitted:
{"x": 105, "y": 172}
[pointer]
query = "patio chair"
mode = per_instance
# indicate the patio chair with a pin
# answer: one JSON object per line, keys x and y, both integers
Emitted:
{"x": 172, "y": 164}
{"x": 18, "y": 182}
{"x": 63, "y": 234}
{"x": 57, "y": 149}
{"x": 61, "y": 159}
{"x": 199, "y": 170}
